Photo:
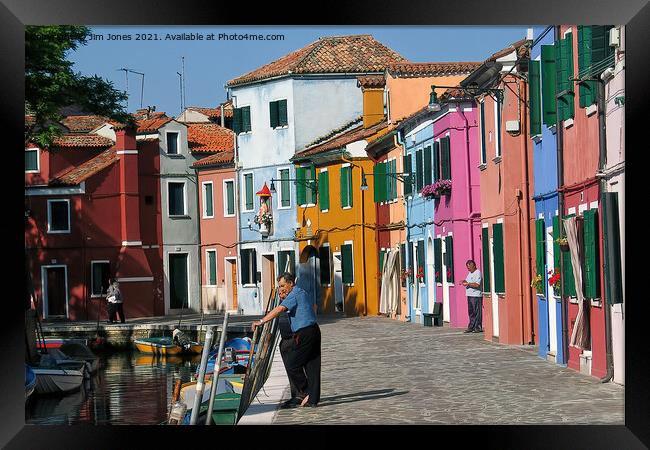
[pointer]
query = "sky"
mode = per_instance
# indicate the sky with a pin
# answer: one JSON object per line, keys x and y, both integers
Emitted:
{"x": 209, "y": 64}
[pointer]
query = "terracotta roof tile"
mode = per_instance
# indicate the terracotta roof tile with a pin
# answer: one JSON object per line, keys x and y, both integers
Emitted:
{"x": 83, "y": 124}
{"x": 332, "y": 54}
{"x": 82, "y": 140}
{"x": 216, "y": 159}
{"x": 87, "y": 169}
{"x": 149, "y": 125}
{"x": 371, "y": 81}
{"x": 209, "y": 137}
{"x": 335, "y": 132}
{"x": 516, "y": 46}
{"x": 355, "y": 134}
{"x": 215, "y": 113}
{"x": 428, "y": 69}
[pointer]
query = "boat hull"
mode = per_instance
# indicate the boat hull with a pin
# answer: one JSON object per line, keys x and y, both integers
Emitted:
{"x": 57, "y": 381}
{"x": 159, "y": 347}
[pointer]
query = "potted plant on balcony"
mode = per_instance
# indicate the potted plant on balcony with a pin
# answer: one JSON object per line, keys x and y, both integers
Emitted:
{"x": 564, "y": 243}
{"x": 538, "y": 284}
{"x": 406, "y": 274}
{"x": 442, "y": 187}
{"x": 420, "y": 274}
{"x": 428, "y": 191}
{"x": 554, "y": 280}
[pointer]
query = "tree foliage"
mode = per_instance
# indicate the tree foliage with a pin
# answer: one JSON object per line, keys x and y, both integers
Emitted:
{"x": 51, "y": 84}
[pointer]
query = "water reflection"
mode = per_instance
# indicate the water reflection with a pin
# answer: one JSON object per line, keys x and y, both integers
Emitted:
{"x": 129, "y": 389}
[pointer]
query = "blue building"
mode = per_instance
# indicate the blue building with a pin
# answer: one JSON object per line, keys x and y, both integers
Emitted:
{"x": 543, "y": 134}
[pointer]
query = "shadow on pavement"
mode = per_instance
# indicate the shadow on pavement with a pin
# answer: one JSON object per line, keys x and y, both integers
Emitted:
{"x": 360, "y": 396}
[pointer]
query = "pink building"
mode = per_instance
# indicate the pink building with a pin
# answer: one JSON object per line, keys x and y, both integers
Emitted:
{"x": 218, "y": 215}
{"x": 457, "y": 217}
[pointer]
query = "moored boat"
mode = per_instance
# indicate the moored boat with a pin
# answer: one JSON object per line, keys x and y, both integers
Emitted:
{"x": 58, "y": 342}
{"x": 30, "y": 381}
{"x": 81, "y": 352}
{"x": 164, "y": 346}
{"x": 55, "y": 380}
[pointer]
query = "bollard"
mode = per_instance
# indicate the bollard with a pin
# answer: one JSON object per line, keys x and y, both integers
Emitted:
{"x": 217, "y": 366}
{"x": 199, "y": 381}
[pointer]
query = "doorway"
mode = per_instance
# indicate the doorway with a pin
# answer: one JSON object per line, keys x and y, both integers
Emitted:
{"x": 231, "y": 283}
{"x": 309, "y": 273}
{"x": 55, "y": 291}
{"x": 338, "y": 283}
{"x": 268, "y": 273}
{"x": 446, "y": 314}
{"x": 495, "y": 296}
{"x": 178, "y": 281}
{"x": 550, "y": 298}
{"x": 431, "y": 280}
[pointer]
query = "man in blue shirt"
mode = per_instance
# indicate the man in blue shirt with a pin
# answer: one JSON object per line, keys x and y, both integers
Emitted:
{"x": 304, "y": 359}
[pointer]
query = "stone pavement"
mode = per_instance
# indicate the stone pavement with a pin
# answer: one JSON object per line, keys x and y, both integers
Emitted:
{"x": 380, "y": 371}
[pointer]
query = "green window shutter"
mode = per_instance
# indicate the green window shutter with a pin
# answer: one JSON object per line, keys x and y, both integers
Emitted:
{"x": 230, "y": 197}
{"x": 569, "y": 280}
{"x": 245, "y": 263}
{"x": 381, "y": 260}
{"x": 556, "y": 246}
{"x": 394, "y": 179}
{"x": 483, "y": 148}
{"x": 446, "y": 158}
{"x": 285, "y": 188}
{"x": 248, "y": 178}
{"x": 380, "y": 182}
{"x": 389, "y": 181}
{"x": 560, "y": 75}
{"x": 212, "y": 264}
{"x": 437, "y": 259}
{"x": 273, "y": 112}
{"x": 312, "y": 189}
{"x": 406, "y": 163}
{"x": 282, "y": 113}
{"x": 301, "y": 194}
{"x": 402, "y": 256}
{"x": 602, "y": 55}
{"x": 535, "y": 106}
{"x": 569, "y": 62}
{"x": 246, "y": 118}
{"x": 209, "y": 209}
{"x": 540, "y": 248}
{"x": 449, "y": 256}
{"x": 324, "y": 190}
{"x": 436, "y": 161}
{"x": 612, "y": 248}
{"x": 549, "y": 101}
{"x": 347, "y": 263}
{"x": 591, "y": 241}
{"x": 499, "y": 269}
{"x": 411, "y": 261}
{"x": 485, "y": 243}
{"x": 344, "y": 187}
{"x": 587, "y": 89}
{"x": 419, "y": 179}
{"x": 325, "y": 270}
{"x": 421, "y": 260}
{"x": 236, "y": 120}
{"x": 427, "y": 166}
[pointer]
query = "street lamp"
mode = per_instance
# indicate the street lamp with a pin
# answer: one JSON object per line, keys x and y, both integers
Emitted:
{"x": 433, "y": 100}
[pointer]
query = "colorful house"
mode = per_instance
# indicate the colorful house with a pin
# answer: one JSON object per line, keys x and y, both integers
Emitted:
{"x": 506, "y": 186}
{"x": 405, "y": 87}
{"x": 92, "y": 213}
{"x": 584, "y": 53}
{"x": 218, "y": 217}
{"x": 279, "y": 109}
{"x": 543, "y": 133}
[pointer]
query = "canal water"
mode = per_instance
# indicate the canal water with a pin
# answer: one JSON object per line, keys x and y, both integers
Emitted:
{"x": 128, "y": 389}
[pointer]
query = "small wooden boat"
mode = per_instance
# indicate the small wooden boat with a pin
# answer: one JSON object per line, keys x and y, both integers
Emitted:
{"x": 81, "y": 352}
{"x": 58, "y": 342}
{"x": 56, "y": 358}
{"x": 164, "y": 346}
{"x": 30, "y": 381}
{"x": 55, "y": 380}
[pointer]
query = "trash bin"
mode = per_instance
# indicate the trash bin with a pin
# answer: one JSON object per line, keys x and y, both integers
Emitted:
{"x": 428, "y": 319}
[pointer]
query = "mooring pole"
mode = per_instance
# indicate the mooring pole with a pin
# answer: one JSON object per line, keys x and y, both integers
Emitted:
{"x": 217, "y": 366}
{"x": 199, "y": 381}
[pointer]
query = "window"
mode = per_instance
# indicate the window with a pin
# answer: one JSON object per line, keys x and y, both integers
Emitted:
{"x": 278, "y": 113}
{"x": 172, "y": 143}
{"x": 497, "y": 128}
{"x": 436, "y": 160}
{"x": 99, "y": 275}
{"x": 428, "y": 173}
{"x": 31, "y": 160}
{"x": 248, "y": 266}
{"x": 402, "y": 261}
{"x": 287, "y": 261}
{"x": 305, "y": 189}
{"x": 242, "y": 119}
{"x": 591, "y": 253}
{"x": 346, "y": 187}
{"x": 58, "y": 216}
{"x": 548, "y": 72}
{"x": 412, "y": 260}
{"x": 449, "y": 258}
{"x": 324, "y": 190}
{"x": 485, "y": 243}
{"x": 437, "y": 259}
{"x": 421, "y": 260}
{"x": 248, "y": 192}
{"x": 419, "y": 175}
{"x": 208, "y": 200}
{"x": 497, "y": 251}
{"x": 533, "y": 95}
{"x": 391, "y": 180}
{"x": 569, "y": 280}
{"x": 347, "y": 263}
{"x": 445, "y": 158}
{"x": 285, "y": 189}
{"x": 380, "y": 180}
{"x": 176, "y": 198}
{"x": 211, "y": 267}
{"x": 229, "y": 198}
{"x": 325, "y": 271}
{"x": 564, "y": 74}
{"x": 407, "y": 168}
{"x": 483, "y": 148}
{"x": 540, "y": 248}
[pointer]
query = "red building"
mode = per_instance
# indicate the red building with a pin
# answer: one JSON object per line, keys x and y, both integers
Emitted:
{"x": 92, "y": 212}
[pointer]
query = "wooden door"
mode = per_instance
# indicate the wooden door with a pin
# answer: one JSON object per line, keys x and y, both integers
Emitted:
{"x": 178, "y": 281}
{"x": 56, "y": 292}
{"x": 233, "y": 272}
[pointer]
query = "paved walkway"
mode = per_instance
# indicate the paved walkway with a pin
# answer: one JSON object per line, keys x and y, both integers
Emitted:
{"x": 380, "y": 371}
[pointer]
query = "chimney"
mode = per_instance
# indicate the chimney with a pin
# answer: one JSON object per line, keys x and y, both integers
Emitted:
{"x": 126, "y": 150}
{"x": 372, "y": 87}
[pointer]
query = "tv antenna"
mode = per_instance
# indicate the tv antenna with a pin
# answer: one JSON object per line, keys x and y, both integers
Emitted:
{"x": 126, "y": 73}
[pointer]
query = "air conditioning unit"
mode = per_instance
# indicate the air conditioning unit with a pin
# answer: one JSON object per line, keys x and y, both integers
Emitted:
{"x": 615, "y": 37}
{"x": 512, "y": 126}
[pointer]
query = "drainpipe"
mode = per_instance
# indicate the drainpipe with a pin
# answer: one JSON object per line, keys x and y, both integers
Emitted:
{"x": 468, "y": 190}
{"x": 602, "y": 160}
{"x": 236, "y": 188}
{"x": 560, "y": 198}
{"x": 407, "y": 314}
{"x": 526, "y": 200}
{"x": 199, "y": 214}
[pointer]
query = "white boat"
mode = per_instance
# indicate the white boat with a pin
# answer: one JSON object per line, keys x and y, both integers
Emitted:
{"x": 57, "y": 380}
{"x": 188, "y": 391}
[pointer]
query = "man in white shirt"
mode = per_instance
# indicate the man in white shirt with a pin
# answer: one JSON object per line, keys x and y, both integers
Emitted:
{"x": 472, "y": 285}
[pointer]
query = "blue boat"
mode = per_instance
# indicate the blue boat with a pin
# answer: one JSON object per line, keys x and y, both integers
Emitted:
{"x": 30, "y": 381}
{"x": 235, "y": 356}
